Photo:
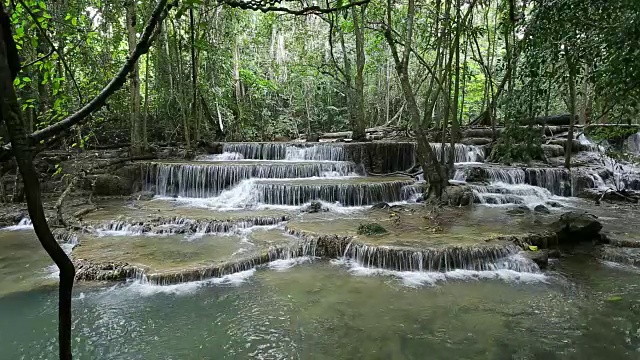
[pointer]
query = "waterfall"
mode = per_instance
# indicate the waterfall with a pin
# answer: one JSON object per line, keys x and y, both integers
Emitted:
{"x": 509, "y": 176}
{"x": 463, "y": 153}
{"x": 436, "y": 259}
{"x": 225, "y": 156}
{"x": 347, "y": 194}
{"x": 503, "y": 193}
{"x": 286, "y": 151}
{"x": 207, "y": 180}
{"x": 24, "y": 224}
{"x": 556, "y": 180}
{"x": 316, "y": 152}
{"x": 174, "y": 226}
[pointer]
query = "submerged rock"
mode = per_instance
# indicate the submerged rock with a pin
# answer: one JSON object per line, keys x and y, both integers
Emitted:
{"x": 577, "y": 226}
{"x": 554, "y": 204}
{"x": 142, "y": 195}
{"x": 629, "y": 256}
{"x": 371, "y": 229}
{"x": 381, "y": 205}
{"x": 520, "y": 210}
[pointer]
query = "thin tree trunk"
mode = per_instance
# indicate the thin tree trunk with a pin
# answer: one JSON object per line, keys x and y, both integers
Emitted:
{"x": 456, "y": 93}
{"x": 585, "y": 101}
{"x": 134, "y": 84}
{"x": 43, "y": 93}
{"x": 194, "y": 78}
{"x": 358, "y": 27}
{"x": 145, "y": 143}
{"x": 572, "y": 108}
{"x": 11, "y": 114}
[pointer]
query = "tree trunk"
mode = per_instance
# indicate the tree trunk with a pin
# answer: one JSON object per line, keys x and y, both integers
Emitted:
{"x": 11, "y": 114}
{"x": 585, "y": 101}
{"x": 359, "y": 120}
{"x": 43, "y": 93}
{"x": 456, "y": 93}
{"x": 145, "y": 118}
{"x": 572, "y": 109}
{"x": 194, "y": 78}
{"x": 134, "y": 84}
{"x": 433, "y": 172}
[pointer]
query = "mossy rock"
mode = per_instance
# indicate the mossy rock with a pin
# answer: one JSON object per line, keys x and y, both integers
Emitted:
{"x": 371, "y": 229}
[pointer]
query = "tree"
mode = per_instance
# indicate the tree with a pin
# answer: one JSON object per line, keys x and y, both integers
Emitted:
{"x": 432, "y": 169}
{"x": 23, "y": 150}
{"x": 25, "y": 144}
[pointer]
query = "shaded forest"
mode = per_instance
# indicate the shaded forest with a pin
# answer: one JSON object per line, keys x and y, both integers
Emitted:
{"x": 221, "y": 72}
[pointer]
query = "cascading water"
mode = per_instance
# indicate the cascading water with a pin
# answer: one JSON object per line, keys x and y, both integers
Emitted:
{"x": 285, "y": 151}
{"x": 462, "y": 153}
{"x": 24, "y": 224}
{"x": 207, "y": 180}
{"x": 173, "y": 226}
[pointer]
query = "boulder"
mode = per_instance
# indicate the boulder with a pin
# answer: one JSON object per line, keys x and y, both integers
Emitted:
{"x": 458, "y": 195}
{"x": 109, "y": 185}
{"x": 541, "y": 209}
{"x": 551, "y": 150}
{"x": 540, "y": 257}
{"x": 577, "y": 226}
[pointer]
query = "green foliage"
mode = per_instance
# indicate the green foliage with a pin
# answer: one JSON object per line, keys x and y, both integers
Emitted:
{"x": 613, "y": 135}
{"x": 518, "y": 144}
{"x": 371, "y": 229}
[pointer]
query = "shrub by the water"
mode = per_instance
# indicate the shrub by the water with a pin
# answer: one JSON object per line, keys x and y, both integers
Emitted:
{"x": 371, "y": 229}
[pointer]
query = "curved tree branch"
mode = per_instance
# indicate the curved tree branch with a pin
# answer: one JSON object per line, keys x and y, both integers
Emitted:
{"x": 38, "y": 59}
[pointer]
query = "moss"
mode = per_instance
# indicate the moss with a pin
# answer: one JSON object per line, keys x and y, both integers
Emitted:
{"x": 371, "y": 229}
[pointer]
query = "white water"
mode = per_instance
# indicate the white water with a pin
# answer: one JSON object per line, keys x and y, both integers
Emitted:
{"x": 286, "y": 264}
{"x": 501, "y": 194}
{"x": 24, "y": 224}
{"x": 145, "y": 288}
{"x": 425, "y": 278}
{"x": 225, "y": 156}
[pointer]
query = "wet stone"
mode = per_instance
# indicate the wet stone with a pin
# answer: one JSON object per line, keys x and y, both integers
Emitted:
{"x": 541, "y": 209}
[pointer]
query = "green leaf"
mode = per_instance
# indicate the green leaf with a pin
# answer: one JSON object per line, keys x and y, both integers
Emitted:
{"x": 614, "y": 298}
